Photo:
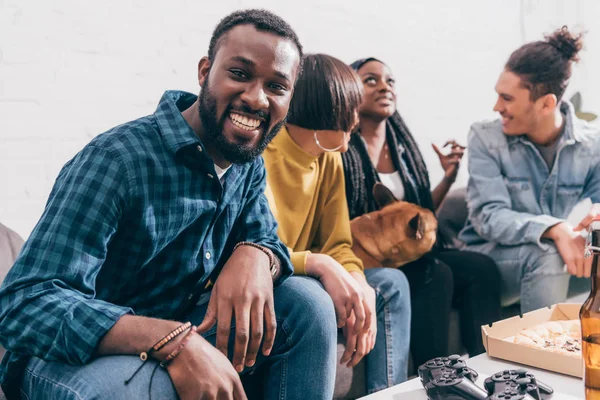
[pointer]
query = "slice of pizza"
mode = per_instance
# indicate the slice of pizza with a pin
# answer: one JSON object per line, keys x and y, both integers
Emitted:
{"x": 563, "y": 337}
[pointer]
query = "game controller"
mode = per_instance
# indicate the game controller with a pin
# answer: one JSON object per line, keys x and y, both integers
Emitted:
{"x": 452, "y": 387}
{"x": 515, "y": 382}
{"x": 438, "y": 366}
{"x": 450, "y": 378}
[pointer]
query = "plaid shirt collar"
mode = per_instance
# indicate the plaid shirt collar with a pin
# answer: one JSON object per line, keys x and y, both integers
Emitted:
{"x": 174, "y": 129}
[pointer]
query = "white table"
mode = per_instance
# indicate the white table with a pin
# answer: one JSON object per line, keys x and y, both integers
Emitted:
{"x": 565, "y": 387}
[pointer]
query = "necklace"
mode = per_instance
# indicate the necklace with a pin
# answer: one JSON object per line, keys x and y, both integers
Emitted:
{"x": 385, "y": 151}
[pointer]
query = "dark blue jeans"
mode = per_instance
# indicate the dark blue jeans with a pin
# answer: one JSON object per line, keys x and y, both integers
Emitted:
{"x": 302, "y": 363}
{"x": 387, "y": 363}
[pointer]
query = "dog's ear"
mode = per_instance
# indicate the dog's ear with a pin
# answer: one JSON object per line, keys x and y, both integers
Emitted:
{"x": 383, "y": 195}
{"x": 417, "y": 227}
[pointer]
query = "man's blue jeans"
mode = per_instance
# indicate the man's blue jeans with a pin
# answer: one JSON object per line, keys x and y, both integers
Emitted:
{"x": 529, "y": 273}
{"x": 387, "y": 363}
{"x": 302, "y": 363}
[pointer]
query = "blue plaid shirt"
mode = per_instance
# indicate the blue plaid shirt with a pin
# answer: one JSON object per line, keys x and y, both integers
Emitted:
{"x": 135, "y": 223}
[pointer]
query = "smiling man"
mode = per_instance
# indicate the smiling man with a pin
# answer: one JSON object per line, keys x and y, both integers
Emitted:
{"x": 151, "y": 271}
{"x": 528, "y": 170}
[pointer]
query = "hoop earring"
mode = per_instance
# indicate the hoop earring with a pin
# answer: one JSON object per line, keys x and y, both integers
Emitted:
{"x": 326, "y": 149}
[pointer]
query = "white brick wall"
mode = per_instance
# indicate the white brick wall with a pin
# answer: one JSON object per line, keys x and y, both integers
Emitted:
{"x": 71, "y": 69}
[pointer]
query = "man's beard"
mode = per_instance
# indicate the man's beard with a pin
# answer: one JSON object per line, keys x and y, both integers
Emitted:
{"x": 232, "y": 152}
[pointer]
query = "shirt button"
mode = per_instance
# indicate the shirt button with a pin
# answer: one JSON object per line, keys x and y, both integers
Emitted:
{"x": 207, "y": 255}
{"x": 210, "y": 176}
{"x": 199, "y": 148}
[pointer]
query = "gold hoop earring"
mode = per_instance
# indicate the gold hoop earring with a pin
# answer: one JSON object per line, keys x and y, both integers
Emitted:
{"x": 326, "y": 149}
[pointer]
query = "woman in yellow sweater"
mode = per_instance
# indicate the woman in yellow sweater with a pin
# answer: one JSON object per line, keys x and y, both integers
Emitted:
{"x": 306, "y": 192}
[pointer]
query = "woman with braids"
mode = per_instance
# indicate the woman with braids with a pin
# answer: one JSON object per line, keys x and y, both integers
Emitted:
{"x": 383, "y": 150}
{"x": 306, "y": 192}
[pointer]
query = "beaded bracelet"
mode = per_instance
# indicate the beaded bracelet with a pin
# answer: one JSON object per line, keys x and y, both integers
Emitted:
{"x": 166, "y": 339}
{"x": 179, "y": 348}
{"x": 273, "y": 260}
{"x": 159, "y": 345}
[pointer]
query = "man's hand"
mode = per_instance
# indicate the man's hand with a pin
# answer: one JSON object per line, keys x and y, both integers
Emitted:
{"x": 244, "y": 289}
{"x": 200, "y": 371}
{"x": 589, "y": 218}
{"x": 359, "y": 345}
{"x": 571, "y": 247}
{"x": 346, "y": 293}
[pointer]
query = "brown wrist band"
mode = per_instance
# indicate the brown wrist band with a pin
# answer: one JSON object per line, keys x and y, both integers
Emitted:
{"x": 179, "y": 348}
{"x": 159, "y": 345}
{"x": 273, "y": 260}
{"x": 166, "y": 339}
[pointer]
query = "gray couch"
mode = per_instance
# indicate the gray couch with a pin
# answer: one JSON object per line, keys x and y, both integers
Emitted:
{"x": 10, "y": 245}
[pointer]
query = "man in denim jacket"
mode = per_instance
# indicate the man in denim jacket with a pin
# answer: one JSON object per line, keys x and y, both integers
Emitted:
{"x": 527, "y": 172}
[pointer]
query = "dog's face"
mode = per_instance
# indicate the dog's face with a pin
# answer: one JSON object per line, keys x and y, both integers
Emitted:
{"x": 396, "y": 234}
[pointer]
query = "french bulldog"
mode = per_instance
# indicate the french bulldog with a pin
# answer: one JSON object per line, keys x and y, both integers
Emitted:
{"x": 396, "y": 234}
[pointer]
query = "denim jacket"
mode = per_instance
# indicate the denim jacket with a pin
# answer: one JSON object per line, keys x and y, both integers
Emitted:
{"x": 512, "y": 195}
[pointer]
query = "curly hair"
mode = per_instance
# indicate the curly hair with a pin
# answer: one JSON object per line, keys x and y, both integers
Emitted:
{"x": 262, "y": 20}
{"x": 545, "y": 66}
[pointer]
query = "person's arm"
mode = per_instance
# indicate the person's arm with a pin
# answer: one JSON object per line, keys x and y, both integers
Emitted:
{"x": 48, "y": 307}
{"x": 591, "y": 186}
{"x": 298, "y": 259}
{"x": 441, "y": 190}
{"x": 333, "y": 233}
{"x": 244, "y": 287}
{"x": 256, "y": 223}
{"x": 490, "y": 206}
{"x": 450, "y": 164}
{"x": 199, "y": 371}
{"x": 334, "y": 238}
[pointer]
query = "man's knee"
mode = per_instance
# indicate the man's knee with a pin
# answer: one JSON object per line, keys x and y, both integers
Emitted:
{"x": 104, "y": 377}
{"x": 302, "y": 303}
{"x": 540, "y": 261}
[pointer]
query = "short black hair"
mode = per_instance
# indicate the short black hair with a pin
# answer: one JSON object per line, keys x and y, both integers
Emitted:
{"x": 545, "y": 66}
{"x": 327, "y": 95}
{"x": 262, "y": 20}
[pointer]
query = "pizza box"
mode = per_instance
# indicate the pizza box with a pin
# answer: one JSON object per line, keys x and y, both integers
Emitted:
{"x": 495, "y": 346}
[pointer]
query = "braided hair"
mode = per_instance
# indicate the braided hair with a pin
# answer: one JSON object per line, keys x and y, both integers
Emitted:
{"x": 361, "y": 175}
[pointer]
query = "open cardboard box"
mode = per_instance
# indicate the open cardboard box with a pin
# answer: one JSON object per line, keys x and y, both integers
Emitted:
{"x": 496, "y": 347}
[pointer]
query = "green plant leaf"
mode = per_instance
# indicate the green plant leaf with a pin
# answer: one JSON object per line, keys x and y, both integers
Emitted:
{"x": 576, "y": 101}
{"x": 586, "y": 116}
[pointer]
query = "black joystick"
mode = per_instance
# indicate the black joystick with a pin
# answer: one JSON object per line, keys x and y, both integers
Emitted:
{"x": 523, "y": 382}
{"x": 454, "y": 358}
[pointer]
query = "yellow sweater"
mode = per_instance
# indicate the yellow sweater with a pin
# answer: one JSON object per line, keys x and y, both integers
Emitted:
{"x": 308, "y": 199}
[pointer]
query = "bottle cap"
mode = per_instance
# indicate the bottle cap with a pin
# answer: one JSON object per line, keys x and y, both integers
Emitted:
{"x": 595, "y": 224}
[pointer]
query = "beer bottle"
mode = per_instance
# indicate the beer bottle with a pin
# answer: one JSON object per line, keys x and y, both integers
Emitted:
{"x": 590, "y": 319}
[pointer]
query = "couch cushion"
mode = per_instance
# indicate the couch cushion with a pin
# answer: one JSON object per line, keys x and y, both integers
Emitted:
{"x": 452, "y": 215}
{"x": 10, "y": 245}
{"x": 349, "y": 382}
